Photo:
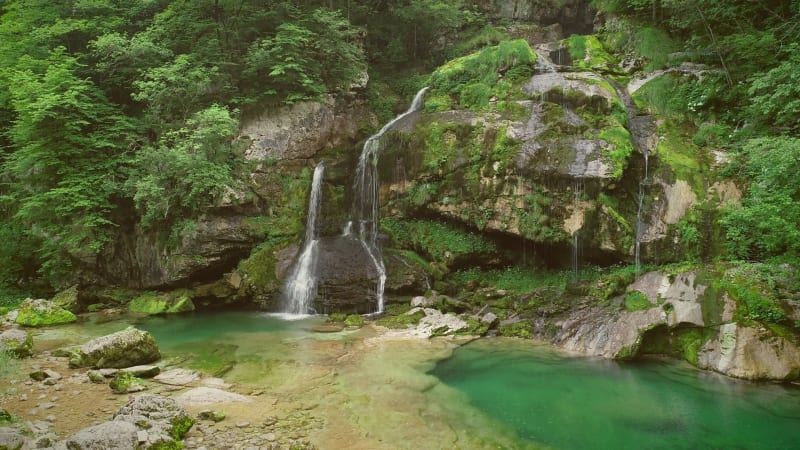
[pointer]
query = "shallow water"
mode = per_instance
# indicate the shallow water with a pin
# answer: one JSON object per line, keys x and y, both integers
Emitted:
{"x": 362, "y": 389}
{"x": 581, "y": 403}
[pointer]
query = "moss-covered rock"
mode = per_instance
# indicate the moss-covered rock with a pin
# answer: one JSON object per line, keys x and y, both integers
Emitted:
{"x": 39, "y": 313}
{"x": 162, "y": 302}
{"x": 16, "y": 342}
{"x": 68, "y": 299}
{"x": 125, "y": 382}
{"x": 126, "y": 348}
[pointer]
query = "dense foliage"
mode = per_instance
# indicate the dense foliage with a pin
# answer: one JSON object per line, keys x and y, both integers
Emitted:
{"x": 115, "y": 111}
{"x": 743, "y": 96}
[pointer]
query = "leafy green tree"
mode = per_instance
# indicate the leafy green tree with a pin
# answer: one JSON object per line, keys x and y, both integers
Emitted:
{"x": 296, "y": 61}
{"x": 186, "y": 171}
{"x": 775, "y": 94}
{"x": 768, "y": 222}
{"x": 70, "y": 144}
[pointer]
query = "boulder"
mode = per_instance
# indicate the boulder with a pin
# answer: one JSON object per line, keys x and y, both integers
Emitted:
{"x": 125, "y": 383}
{"x": 118, "y": 435}
{"x": 163, "y": 419}
{"x": 124, "y": 348}
{"x": 40, "y": 312}
{"x": 745, "y": 352}
{"x": 421, "y": 302}
{"x": 68, "y": 299}
{"x": 598, "y": 332}
{"x": 12, "y": 439}
{"x": 17, "y": 342}
{"x": 162, "y": 302}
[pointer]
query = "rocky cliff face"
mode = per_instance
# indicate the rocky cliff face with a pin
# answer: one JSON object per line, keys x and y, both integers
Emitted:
{"x": 267, "y": 203}
{"x": 572, "y": 16}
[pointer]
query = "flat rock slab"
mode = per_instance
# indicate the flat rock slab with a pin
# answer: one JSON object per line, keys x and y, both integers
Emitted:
{"x": 143, "y": 371}
{"x": 178, "y": 377}
{"x": 208, "y": 395}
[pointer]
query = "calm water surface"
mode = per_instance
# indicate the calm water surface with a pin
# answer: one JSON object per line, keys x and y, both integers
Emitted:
{"x": 580, "y": 403}
{"x": 491, "y": 393}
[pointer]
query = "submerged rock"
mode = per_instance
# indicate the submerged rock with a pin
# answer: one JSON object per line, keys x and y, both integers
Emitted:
{"x": 16, "y": 342}
{"x": 178, "y": 377}
{"x": 40, "y": 312}
{"x": 162, "y": 302}
{"x": 209, "y": 395}
{"x": 124, "y": 348}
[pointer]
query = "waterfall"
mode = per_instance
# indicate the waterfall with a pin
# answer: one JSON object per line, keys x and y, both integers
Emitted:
{"x": 366, "y": 201}
{"x": 301, "y": 287}
{"x": 578, "y": 188}
{"x": 639, "y": 223}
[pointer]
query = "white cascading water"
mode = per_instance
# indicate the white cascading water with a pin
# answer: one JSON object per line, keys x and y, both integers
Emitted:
{"x": 639, "y": 224}
{"x": 301, "y": 286}
{"x": 365, "y": 199}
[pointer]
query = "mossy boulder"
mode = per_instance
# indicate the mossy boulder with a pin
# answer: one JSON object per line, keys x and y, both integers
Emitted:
{"x": 162, "y": 302}
{"x": 16, "y": 342}
{"x": 39, "y": 313}
{"x": 68, "y": 299}
{"x": 126, "y": 348}
{"x": 125, "y": 382}
{"x": 162, "y": 419}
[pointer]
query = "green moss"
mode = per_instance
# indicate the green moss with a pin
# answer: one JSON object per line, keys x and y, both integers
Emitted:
{"x": 619, "y": 150}
{"x": 180, "y": 425}
{"x": 258, "y": 271}
{"x": 437, "y": 103}
{"x": 396, "y": 317}
{"x": 637, "y": 301}
{"x": 40, "y": 317}
{"x": 522, "y": 329}
{"x": 474, "y": 328}
{"x": 675, "y": 148}
{"x": 690, "y": 341}
{"x": 476, "y": 77}
{"x": 162, "y": 302}
{"x": 123, "y": 381}
{"x": 439, "y": 241}
{"x": 354, "y": 320}
{"x": 336, "y": 318}
{"x": 589, "y": 54}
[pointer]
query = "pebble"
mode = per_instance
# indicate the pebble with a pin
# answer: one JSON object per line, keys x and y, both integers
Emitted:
{"x": 50, "y": 418}
{"x": 23, "y": 398}
{"x": 242, "y": 424}
{"x": 270, "y": 437}
{"x": 43, "y": 396}
{"x": 46, "y": 405}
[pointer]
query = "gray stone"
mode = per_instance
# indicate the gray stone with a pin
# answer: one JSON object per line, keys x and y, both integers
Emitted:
{"x": 17, "y": 342}
{"x": 144, "y": 371}
{"x": 489, "y": 318}
{"x": 207, "y": 395}
{"x": 11, "y": 440}
{"x": 162, "y": 417}
{"x": 214, "y": 416}
{"x": 117, "y": 435}
{"x": 178, "y": 377}
{"x": 745, "y": 352}
{"x": 124, "y": 348}
{"x": 420, "y": 301}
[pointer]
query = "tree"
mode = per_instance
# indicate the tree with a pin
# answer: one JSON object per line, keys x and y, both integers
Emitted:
{"x": 70, "y": 144}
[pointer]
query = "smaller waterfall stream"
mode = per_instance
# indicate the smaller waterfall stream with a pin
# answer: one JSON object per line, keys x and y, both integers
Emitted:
{"x": 301, "y": 286}
{"x": 366, "y": 201}
{"x": 639, "y": 223}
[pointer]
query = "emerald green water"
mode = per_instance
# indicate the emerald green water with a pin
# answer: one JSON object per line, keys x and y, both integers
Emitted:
{"x": 580, "y": 403}
{"x": 369, "y": 390}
